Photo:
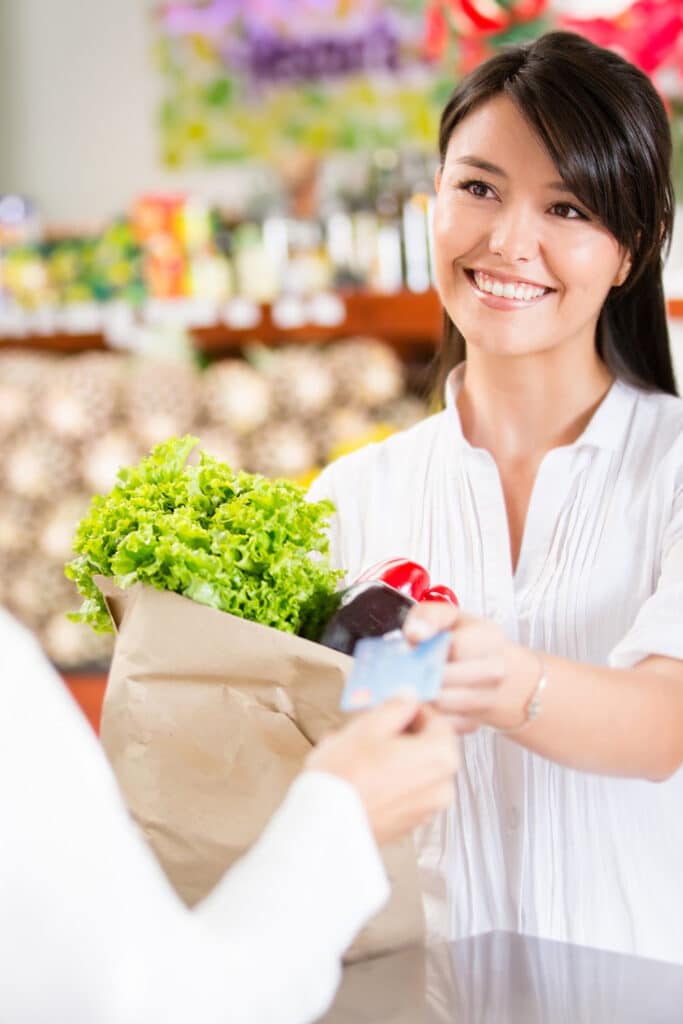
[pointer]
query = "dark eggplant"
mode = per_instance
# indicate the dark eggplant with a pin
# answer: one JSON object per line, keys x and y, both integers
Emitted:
{"x": 365, "y": 609}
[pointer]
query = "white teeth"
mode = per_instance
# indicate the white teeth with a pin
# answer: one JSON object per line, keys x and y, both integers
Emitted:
{"x": 510, "y": 290}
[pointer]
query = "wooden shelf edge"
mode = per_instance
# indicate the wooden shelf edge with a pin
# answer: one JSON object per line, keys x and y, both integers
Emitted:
{"x": 404, "y": 319}
{"x": 409, "y": 321}
{"x": 88, "y": 690}
{"x": 58, "y": 343}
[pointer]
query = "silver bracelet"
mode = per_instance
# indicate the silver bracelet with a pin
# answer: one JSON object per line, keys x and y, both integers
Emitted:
{"x": 532, "y": 708}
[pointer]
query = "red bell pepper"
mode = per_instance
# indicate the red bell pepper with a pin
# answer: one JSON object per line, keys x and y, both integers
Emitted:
{"x": 410, "y": 579}
{"x": 442, "y": 594}
{"x": 407, "y": 577}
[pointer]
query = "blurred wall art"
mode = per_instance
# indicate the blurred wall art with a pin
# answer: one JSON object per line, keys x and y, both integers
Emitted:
{"x": 261, "y": 79}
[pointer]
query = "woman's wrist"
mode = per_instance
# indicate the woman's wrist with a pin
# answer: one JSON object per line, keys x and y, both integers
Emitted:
{"x": 525, "y": 680}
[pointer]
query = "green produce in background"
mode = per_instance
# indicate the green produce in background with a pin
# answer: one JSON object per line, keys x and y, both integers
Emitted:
{"x": 235, "y": 541}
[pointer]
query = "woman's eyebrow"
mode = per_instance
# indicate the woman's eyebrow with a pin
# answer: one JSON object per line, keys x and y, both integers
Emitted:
{"x": 483, "y": 165}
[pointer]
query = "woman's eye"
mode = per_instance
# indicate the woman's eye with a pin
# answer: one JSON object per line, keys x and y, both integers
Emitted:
{"x": 568, "y": 212}
{"x": 478, "y": 189}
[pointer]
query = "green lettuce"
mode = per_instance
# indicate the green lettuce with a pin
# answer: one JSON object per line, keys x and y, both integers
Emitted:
{"x": 235, "y": 541}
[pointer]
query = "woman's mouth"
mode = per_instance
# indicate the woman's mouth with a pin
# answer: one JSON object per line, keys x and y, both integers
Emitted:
{"x": 505, "y": 294}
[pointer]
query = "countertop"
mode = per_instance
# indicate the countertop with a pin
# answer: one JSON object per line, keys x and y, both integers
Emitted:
{"x": 501, "y": 978}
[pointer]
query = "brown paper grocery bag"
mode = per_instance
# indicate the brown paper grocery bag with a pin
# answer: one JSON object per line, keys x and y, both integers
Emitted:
{"x": 207, "y": 718}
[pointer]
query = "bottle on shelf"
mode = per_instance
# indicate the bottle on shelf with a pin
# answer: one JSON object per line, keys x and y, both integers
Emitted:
{"x": 385, "y": 195}
{"x": 417, "y": 190}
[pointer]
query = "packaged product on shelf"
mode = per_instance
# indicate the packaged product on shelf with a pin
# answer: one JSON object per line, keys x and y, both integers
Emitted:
{"x": 165, "y": 267}
{"x": 256, "y": 271}
{"x": 416, "y": 243}
{"x": 369, "y": 230}
{"x": 209, "y": 276}
{"x": 308, "y": 269}
{"x": 25, "y": 277}
{"x": 385, "y": 193}
{"x": 180, "y": 258}
{"x": 157, "y": 214}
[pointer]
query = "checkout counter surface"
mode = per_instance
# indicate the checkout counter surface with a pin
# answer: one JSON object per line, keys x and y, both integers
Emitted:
{"x": 502, "y": 978}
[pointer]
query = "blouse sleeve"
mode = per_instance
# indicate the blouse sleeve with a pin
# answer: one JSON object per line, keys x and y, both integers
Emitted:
{"x": 90, "y": 925}
{"x": 658, "y": 627}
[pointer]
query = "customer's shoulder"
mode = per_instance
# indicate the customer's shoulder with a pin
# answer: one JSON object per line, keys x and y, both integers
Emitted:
{"x": 13, "y": 634}
{"x": 20, "y": 652}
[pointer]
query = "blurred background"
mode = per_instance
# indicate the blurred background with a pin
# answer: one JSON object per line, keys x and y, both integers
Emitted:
{"x": 215, "y": 218}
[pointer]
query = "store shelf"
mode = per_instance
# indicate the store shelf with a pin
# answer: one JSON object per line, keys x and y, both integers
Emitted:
{"x": 404, "y": 319}
{"x": 61, "y": 342}
{"x": 409, "y": 321}
{"x": 88, "y": 690}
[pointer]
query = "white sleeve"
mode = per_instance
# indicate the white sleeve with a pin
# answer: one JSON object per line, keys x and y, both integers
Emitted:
{"x": 90, "y": 929}
{"x": 658, "y": 627}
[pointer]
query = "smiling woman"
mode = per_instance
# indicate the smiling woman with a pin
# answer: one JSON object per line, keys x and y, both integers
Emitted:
{"x": 549, "y": 495}
{"x": 516, "y": 240}
{"x": 558, "y": 164}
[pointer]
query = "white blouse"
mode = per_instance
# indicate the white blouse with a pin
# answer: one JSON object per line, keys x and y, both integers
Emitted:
{"x": 529, "y": 845}
{"x": 90, "y": 929}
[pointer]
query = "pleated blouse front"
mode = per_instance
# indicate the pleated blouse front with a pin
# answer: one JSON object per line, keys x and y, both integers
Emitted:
{"x": 529, "y": 845}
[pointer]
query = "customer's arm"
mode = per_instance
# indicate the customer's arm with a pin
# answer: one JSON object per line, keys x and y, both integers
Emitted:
{"x": 90, "y": 930}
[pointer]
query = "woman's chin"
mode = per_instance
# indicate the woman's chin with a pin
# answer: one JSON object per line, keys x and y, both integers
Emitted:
{"x": 510, "y": 347}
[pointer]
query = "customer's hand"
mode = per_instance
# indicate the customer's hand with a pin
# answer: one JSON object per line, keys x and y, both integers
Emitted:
{"x": 401, "y": 757}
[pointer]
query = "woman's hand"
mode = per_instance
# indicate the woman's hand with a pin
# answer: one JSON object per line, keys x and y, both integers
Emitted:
{"x": 607, "y": 721}
{"x": 487, "y": 681}
{"x": 401, "y": 757}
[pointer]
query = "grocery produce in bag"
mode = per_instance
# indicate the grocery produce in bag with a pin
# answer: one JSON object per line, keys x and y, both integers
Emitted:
{"x": 234, "y": 541}
{"x": 214, "y": 580}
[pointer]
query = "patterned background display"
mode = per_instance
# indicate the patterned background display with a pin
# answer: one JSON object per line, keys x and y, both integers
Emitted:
{"x": 259, "y": 79}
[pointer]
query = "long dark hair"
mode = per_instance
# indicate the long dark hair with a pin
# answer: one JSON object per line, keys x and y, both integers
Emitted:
{"x": 606, "y": 130}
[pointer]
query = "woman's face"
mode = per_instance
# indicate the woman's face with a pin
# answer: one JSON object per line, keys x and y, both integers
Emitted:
{"x": 521, "y": 265}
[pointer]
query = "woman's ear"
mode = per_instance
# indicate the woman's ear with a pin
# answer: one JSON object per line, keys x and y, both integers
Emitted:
{"x": 623, "y": 271}
{"x": 437, "y": 178}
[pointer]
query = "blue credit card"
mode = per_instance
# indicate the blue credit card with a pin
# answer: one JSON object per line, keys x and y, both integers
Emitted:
{"x": 384, "y": 664}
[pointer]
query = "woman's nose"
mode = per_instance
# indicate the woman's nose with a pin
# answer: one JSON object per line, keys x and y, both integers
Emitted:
{"x": 514, "y": 235}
